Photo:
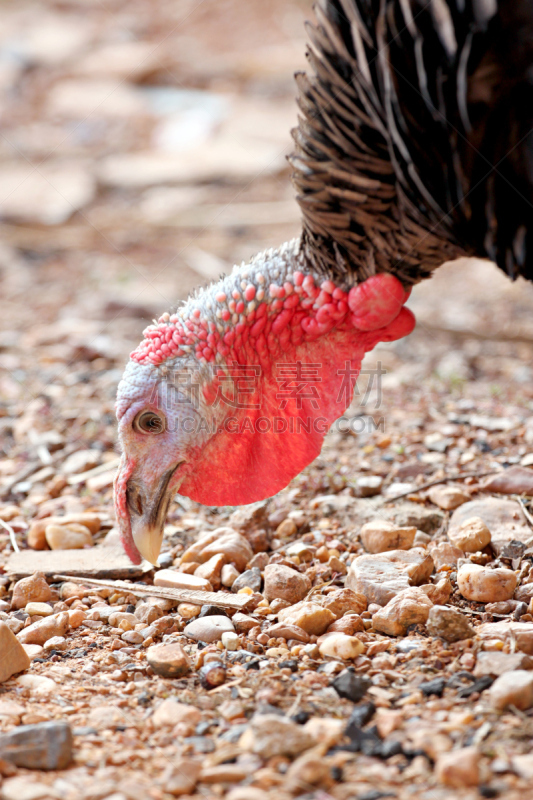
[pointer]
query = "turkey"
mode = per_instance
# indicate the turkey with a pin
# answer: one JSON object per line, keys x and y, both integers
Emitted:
{"x": 414, "y": 146}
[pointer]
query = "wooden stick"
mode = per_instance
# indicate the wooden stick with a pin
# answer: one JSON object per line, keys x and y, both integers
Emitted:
{"x": 195, "y": 596}
{"x": 12, "y": 537}
{"x": 425, "y": 486}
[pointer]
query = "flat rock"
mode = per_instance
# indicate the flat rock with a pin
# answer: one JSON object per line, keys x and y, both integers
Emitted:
{"x": 496, "y": 663}
{"x": 173, "y": 579}
{"x": 485, "y": 585}
{"x": 380, "y": 577}
{"x": 208, "y": 629}
{"x": 181, "y": 777}
{"x": 512, "y": 689}
{"x": 380, "y": 535}
{"x": 168, "y": 660}
{"x": 504, "y": 519}
{"x": 449, "y": 624}
{"x": 284, "y": 630}
{"x": 521, "y": 633}
{"x": 44, "y": 746}
{"x": 459, "y": 769}
{"x": 515, "y": 480}
{"x": 13, "y": 657}
{"x": 285, "y": 583}
{"x": 211, "y": 570}
{"x": 409, "y": 607}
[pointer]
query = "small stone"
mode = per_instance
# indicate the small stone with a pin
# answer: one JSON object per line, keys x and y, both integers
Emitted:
{"x": 285, "y": 583}
{"x": 350, "y": 685}
{"x": 230, "y": 640}
{"x": 68, "y": 537}
{"x": 55, "y": 643}
{"x": 350, "y": 624}
{"x": 181, "y": 777}
{"x": 472, "y": 535}
{"x": 448, "y": 497}
{"x": 250, "y": 578}
{"x": 228, "y": 575}
{"x": 39, "y": 632}
{"x": 39, "y": 609}
{"x": 38, "y": 685}
{"x": 188, "y": 610}
{"x": 341, "y": 646}
{"x": 410, "y": 607}
{"x": 449, "y": 624}
{"x": 444, "y": 555}
{"x": 380, "y": 536}
{"x": 33, "y": 589}
{"x": 76, "y": 616}
{"x": 458, "y": 768}
{"x": 211, "y": 570}
{"x": 243, "y": 623}
{"x": 272, "y": 735}
{"x": 302, "y": 550}
{"x": 13, "y": 657}
{"x": 380, "y": 577}
{"x": 212, "y": 674}
{"x": 343, "y": 601}
{"x": 117, "y": 617}
{"x": 171, "y": 713}
{"x": 439, "y": 593}
{"x": 282, "y": 630}
{"x": 44, "y": 746}
{"x": 519, "y": 635}
{"x": 168, "y": 660}
{"x": 25, "y": 789}
{"x": 208, "y": 629}
{"x": 222, "y": 540}
{"x": 523, "y": 766}
{"x": 34, "y": 651}
{"x": 514, "y": 480}
{"x": 368, "y": 485}
{"x": 286, "y": 529}
{"x": 181, "y": 580}
{"x": 504, "y": 519}
{"x": 485, "y": 585}
{"x": 148, "y": 613}
{"x": 512, "y": 689}
{"x": 311, "y": 617}
{"x": 496, "y": 663}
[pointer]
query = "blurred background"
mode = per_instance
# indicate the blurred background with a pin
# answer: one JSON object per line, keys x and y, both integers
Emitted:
{"x": 142, "y": 153}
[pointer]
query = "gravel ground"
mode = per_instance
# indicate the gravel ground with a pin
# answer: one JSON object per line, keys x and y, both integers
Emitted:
{"x": 142, "y": 154}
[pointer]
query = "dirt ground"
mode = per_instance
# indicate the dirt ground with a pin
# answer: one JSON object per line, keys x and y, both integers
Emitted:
{"x": 142, "y": 154}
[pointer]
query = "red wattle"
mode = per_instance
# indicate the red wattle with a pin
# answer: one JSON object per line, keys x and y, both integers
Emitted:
{"x": 376, "y": 302}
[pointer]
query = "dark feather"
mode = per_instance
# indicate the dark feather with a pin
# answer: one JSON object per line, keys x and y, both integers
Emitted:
{"x": 415, "y": 143}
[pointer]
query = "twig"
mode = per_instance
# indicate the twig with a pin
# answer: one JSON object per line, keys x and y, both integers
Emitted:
{"x": 528, "y": 516}
{"x": 18, "y": 478}
{"x": 424, "y": 486}
{"x": 194, "y": 596}
{"x": 12, "y": 537}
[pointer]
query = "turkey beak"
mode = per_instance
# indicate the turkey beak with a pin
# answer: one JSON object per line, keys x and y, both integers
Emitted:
{"x": 148, "y": 509}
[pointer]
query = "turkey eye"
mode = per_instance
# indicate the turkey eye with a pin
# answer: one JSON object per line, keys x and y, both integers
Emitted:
{"x": 149, "y": 422}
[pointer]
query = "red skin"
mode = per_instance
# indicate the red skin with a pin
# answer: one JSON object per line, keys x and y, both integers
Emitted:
{"x": 298, "y": 322}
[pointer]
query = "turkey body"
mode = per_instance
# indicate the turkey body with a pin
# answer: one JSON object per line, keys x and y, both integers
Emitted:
{"x": 414, "y": 146}
{"x": 415, "y": 143}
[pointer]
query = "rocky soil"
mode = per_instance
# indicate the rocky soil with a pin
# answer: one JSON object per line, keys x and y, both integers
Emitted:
{"x": 386, "y": 647}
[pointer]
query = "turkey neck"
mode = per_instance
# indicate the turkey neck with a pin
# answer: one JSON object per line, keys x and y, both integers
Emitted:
{"x": 264, "y": 310}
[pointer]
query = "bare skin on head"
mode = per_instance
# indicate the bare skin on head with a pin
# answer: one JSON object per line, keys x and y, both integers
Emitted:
{"x": 202, "y": 408}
